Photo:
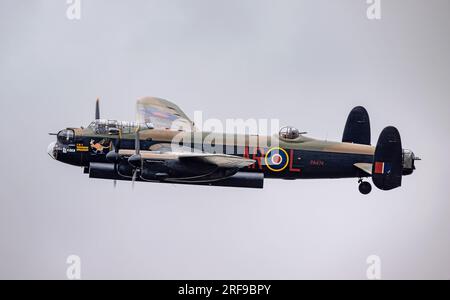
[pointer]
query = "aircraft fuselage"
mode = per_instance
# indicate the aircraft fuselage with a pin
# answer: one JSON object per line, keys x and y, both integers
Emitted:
{"x": 306, "y": 158}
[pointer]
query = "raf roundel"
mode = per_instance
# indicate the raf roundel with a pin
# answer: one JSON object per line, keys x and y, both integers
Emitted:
{"x": 277, "y": 159}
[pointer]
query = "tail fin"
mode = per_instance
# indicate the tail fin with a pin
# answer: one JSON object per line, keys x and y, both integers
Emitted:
{"x": 357, "y": 128}
{"x": 388, "y": 162}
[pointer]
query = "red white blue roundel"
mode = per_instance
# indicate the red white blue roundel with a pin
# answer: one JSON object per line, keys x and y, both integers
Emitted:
{"x": 277, "y": 159}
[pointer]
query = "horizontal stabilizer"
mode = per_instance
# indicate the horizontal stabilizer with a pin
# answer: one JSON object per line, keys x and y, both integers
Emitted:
{"x": 366, "y": 167}
{"x": 357, "y": 128}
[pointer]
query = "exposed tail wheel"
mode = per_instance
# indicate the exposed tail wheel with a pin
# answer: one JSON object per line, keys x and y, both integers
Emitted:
{"x": 365, "y": 187}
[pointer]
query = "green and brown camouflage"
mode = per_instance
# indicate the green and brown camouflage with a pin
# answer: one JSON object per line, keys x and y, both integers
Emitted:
{"x": 163, "y": 145}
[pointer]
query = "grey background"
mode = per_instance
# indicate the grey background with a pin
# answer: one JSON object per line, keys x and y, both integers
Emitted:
{"x": 304, "y": 62}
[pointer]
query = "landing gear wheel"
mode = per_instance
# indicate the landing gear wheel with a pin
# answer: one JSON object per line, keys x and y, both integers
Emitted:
{"x": 365, "y": 187}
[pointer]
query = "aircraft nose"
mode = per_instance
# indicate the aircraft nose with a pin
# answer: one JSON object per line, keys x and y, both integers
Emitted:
{"x": 51, "y": 150}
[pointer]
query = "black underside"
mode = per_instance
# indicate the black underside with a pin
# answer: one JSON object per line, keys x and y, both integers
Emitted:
{"x": 303, "y": 164}
{"x": 239, "y": 179}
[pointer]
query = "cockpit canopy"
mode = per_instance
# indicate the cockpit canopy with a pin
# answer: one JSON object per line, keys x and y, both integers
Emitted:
{"x": 66, "y": 136}
{"x": 112, "y": 126}
{"x": 289, "y": 133}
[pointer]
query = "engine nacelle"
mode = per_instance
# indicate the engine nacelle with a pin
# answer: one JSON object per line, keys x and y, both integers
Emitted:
{"x": 240, "y": 179}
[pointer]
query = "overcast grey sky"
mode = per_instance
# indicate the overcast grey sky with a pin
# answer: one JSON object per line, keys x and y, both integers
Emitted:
{"x": 306, "y": 63}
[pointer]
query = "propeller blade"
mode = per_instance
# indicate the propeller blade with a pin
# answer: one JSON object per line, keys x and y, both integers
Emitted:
{"x": 97, "y": 109}
{"x": 118, "y": 141}
{"x": 137, "y": 142}
{"x": 136, "y": 159}
{"x": 113, "y": 154}
{"x": 133, "y": 180}
{"x": 115, "y": 183}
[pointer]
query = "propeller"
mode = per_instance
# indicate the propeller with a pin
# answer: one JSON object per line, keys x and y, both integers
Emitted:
{"x": 97, "y": 109}
{"x": 113, "y": 155}
{"x": 135, "y": 160}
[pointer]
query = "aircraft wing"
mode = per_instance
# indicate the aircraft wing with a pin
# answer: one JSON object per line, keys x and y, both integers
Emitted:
{"x": 219, "y": 160}
{"x": 162, "y": 114}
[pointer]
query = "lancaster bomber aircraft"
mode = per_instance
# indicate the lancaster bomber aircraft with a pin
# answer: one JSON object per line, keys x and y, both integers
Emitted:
{"x": 145, "y": 151}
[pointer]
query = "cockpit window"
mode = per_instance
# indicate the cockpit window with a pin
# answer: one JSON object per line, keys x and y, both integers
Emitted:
{"x": 289, "y": 133}
{"x": 104, "y": 126}
{"x": 112, "y": 124}
{"x": 66, "y": 136}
